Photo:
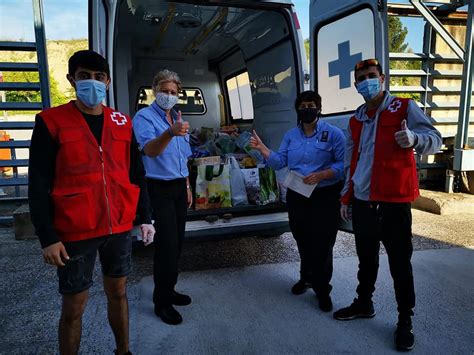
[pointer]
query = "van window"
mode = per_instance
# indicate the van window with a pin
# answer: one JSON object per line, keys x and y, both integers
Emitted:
{"x": 190, "y": 100}
{"x": 240, "y": 97}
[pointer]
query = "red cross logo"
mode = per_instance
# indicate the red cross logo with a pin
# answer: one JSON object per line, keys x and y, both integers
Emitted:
{"x": 118, "y": 118}
{"x": 394, "y": 106}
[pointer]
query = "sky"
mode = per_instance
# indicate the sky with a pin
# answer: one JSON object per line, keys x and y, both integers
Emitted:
{"x": 70, "y": 22}
{"x": 61, "y": 22}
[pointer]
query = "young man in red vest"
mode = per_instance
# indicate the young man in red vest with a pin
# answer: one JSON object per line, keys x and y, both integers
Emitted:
{"x": 381, "y": 181}
{"x": 85, "y": 180}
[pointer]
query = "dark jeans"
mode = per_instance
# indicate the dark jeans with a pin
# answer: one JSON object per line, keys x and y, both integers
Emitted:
{"x": 314, "y": 222}
{"x": 169, "y": 202}
{"x": 389, "y": 223}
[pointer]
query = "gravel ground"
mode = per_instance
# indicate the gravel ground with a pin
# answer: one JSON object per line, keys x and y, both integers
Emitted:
{"x": 30, "y": 304}
{"x": 430, "y": 232}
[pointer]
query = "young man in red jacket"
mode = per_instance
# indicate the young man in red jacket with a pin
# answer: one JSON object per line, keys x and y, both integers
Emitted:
{"x": 381, "y": 181}
{"x": 85, "y": 180}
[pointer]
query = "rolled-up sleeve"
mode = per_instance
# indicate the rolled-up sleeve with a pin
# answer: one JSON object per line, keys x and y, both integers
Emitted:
{"x": 278, "y": 160}
{"x": 339, "y": 144}
{"x": 144, "y": 129}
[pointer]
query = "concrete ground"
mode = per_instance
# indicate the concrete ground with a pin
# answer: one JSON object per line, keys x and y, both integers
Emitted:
{"x": 242, "y": 302}
{"x": 251, "y": 310}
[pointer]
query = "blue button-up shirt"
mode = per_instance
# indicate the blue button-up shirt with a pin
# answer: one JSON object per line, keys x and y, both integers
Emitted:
{"x": 149, "y": 123}
{"x": 324, "y": 149}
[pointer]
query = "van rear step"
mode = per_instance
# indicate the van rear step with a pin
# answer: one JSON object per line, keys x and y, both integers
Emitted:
{"x": 261, "y": 224}
{"x": 237, "y": 211}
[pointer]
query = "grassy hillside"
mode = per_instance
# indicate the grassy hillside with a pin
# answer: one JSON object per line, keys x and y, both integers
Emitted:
{"x": 58, "y": 55}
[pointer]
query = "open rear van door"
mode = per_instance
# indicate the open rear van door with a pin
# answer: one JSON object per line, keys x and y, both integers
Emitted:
{"x": 344, "y": 32}
{"x": 101, "y": 30}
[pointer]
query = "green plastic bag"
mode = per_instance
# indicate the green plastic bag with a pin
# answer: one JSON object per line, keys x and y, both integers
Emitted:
{"x": 261, "y": 185}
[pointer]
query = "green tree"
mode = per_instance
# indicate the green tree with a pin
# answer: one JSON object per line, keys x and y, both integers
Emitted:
{"x": 57, "y": 97}
{"x": 306, "y": 47}
{"x": 21, "y": 96}
{"x": 397, "y": 34}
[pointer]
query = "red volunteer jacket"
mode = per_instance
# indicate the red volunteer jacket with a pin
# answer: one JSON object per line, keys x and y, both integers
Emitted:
{"x": 394, "y": 177}
{"x": 92, "y": 194}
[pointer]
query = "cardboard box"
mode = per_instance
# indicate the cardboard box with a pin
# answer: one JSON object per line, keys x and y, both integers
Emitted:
{"x": 212, "y": 160}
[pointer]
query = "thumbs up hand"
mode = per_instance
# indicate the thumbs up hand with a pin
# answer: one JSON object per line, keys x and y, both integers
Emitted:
{"x": 180, "y": 127}
{"x": 405, "y": 138}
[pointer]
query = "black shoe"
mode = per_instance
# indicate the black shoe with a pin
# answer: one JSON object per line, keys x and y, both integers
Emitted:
{"x": 127, "y": 353}
{"x": 300, "y": 287}
{"x": 325, "y": 303}
{"x": 178, "y": 299}
{"x": 404, "y": 337}
{"x": 356, "y": 310}
{"x": 169, "y": 315}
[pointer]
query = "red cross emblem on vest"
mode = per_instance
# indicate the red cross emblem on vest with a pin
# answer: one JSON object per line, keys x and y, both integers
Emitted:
{"x": 118, "y": 118}
{"x": 394, "y": 106}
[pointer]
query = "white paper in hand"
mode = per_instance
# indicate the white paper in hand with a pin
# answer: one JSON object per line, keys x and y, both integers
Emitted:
{"x": 294, "y": 181}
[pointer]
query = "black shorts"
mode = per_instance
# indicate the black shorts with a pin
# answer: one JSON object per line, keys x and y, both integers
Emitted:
{"x": 115, "y": 252}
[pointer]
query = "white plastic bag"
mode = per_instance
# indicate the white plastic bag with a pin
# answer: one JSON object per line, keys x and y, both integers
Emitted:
{"x": 237, "y": 184}
{"x": 281, "y": 177}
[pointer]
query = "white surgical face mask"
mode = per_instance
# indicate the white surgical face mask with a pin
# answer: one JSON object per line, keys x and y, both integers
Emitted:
{"x": 165, "y": 101}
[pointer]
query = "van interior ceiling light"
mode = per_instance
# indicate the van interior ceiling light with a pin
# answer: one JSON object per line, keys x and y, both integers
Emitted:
{"x": 152, "y": 18}
{"x": 188, "y": 20}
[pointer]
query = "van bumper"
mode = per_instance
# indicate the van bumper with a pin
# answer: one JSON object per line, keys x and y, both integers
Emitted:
{"x": 271, "y": 224}
{"x": 261, "y": 224}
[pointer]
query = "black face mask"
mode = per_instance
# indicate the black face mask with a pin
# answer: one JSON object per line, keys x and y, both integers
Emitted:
{"x": 308, "y": 115}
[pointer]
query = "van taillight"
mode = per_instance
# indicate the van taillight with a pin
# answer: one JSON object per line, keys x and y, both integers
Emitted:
{"x": 295, "y": 18}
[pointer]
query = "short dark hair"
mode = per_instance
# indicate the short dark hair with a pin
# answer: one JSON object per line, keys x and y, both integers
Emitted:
{"x": 88, "y": 59}
{"x": 367, "y": 63}
{"x": 308, "y": 96}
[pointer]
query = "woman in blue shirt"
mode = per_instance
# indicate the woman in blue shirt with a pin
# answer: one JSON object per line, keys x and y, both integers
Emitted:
{"x": 314, "y": 149}
{"x": 164, "y": 140}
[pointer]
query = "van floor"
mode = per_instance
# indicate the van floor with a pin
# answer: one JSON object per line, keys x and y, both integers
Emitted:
{"x": 251, "y": 310}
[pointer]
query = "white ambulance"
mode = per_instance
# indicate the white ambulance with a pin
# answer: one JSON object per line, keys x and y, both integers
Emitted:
{"x": 241, "y": 63}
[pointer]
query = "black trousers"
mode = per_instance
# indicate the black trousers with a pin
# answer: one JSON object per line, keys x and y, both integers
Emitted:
{"x": 314, "y": 222}
{"x": 389, "y": 223}
{"x": 169, "y": 202}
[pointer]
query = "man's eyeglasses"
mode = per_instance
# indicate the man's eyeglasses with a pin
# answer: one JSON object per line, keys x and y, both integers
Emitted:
{"x": 366, "y": 63}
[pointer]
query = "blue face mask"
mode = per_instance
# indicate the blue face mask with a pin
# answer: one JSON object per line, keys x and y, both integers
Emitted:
{"x": 91, "y": 92}
{"x": 369, "y": 88}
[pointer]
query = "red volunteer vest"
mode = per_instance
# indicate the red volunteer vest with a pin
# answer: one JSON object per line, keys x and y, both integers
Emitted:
{"x": 92, "y": 194}
{"x": 394, "y": 177}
